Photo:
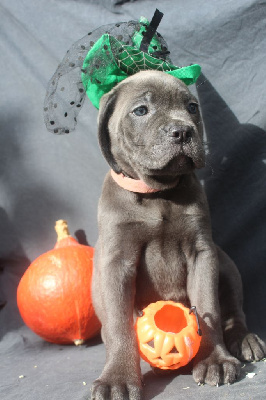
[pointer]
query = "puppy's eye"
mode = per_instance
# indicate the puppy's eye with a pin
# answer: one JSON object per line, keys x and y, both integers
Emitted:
{"x": 192, "y": 108}
{"x": 140, "y": 111}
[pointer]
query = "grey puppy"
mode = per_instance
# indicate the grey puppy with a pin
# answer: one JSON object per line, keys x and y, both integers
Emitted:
{"x": 158, "y": 245}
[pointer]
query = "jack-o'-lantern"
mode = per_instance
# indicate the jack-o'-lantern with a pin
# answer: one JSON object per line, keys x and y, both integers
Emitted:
{"x": 168, "y": 335}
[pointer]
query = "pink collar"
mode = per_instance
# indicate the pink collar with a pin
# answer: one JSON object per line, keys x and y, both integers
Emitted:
{"x": 132, "y": 185}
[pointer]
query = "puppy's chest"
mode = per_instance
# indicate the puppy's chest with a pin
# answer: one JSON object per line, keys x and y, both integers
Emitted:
{"x": 170, "y": 235}
{"x": 163, "y": 268}
{"x": 167, "y": 221}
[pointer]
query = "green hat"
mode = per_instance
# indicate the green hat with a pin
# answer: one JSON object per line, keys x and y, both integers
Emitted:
{"x": 111, "y": 61}
{"x": 102, "y": 59}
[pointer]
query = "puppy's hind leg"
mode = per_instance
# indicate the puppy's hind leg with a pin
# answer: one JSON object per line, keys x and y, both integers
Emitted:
{"x": 239, "y": 341}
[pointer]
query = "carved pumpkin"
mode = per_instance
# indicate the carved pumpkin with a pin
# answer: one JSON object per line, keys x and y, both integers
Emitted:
{"x": 54, "y": 294}
{"x": 168, "y": 335}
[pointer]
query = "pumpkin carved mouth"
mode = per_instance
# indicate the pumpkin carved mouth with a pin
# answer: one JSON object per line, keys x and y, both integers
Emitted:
{"x": 167, "y": 335}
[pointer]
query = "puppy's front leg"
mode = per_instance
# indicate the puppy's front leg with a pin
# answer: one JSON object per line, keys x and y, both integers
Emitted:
{"x": 114, "y": 295}
{"x": 213, "y": 364}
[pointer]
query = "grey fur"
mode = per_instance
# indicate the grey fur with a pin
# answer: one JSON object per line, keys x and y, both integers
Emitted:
{"x": 159, "y": 246}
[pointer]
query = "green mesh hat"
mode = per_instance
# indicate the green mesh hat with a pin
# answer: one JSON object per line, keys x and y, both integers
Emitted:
{"x": 99, "y": 61}
{"x": 110, "y": 61}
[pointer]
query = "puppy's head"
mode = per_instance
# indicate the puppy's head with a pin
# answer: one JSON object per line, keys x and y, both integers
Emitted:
{"x": 150, "y": 129}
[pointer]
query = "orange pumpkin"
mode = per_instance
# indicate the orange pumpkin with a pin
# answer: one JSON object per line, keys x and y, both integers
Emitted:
{"x": 168, "y": 335}
{"x": 54, "y": 294}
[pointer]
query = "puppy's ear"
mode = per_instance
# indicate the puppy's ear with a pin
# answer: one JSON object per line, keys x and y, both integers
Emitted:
{"x": 107, "y": 106}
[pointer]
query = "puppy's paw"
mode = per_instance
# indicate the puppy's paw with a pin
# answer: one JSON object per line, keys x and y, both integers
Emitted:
{"x": 217, "y": 369}
{"x": 103, "y": 390}
{"x": 248, "y": 347}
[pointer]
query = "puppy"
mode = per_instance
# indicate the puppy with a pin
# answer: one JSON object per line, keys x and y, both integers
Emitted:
{"x": 155, "y": 241}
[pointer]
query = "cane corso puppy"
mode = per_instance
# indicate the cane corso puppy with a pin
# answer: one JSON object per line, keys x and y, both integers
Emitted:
{"x": 155, "y": 241}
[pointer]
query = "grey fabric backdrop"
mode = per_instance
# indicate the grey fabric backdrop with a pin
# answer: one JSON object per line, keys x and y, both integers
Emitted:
{"x": 45, "y": 177}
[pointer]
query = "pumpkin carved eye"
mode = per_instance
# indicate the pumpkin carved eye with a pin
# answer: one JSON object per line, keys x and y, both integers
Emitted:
{"x": 167, "y": 335}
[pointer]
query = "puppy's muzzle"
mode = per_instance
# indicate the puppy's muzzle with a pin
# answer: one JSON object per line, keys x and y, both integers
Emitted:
{"x": 182, "y": 133}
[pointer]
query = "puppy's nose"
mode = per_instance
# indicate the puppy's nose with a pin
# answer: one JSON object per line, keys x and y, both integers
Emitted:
{"x": 182, "y": 133}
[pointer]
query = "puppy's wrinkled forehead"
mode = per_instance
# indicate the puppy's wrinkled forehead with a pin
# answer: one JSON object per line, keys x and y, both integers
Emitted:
{"x": 153, "y": 86}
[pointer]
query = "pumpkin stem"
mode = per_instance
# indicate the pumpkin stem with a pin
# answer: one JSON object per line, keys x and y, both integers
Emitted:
{"x": 61, "y": 229}
{"x": 78, "y": 342}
